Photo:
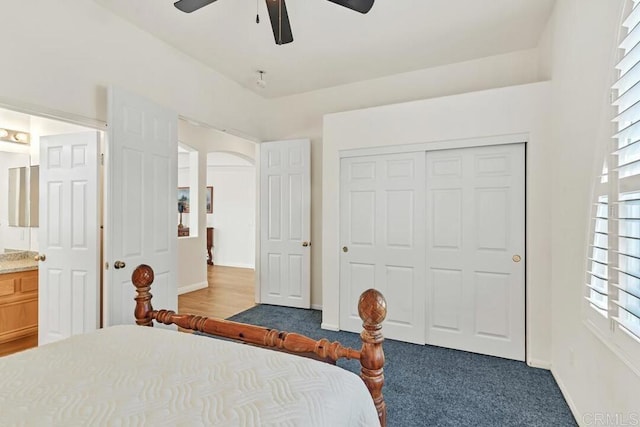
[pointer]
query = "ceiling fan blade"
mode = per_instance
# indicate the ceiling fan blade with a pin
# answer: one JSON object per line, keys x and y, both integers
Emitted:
{"x": 279, "y": 21}
{"x": 362, "y": 6}
{"x": 189, "y": 6}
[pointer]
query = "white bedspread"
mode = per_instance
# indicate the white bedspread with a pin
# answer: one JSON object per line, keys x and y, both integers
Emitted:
{"x": 133, "y": 375}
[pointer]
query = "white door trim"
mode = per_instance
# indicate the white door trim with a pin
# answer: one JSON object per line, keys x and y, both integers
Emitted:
{"x": 258, "y": 285}
{"x": 437, "y": 145}
{"x": 50, "y": 113}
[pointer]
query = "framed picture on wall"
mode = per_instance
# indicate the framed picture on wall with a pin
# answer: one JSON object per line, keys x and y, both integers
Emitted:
{"x": 183, "y": 199}
{"x": 209, "y": 201}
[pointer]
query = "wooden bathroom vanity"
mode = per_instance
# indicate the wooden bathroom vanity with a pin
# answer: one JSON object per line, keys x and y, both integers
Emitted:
{"x": 18, "y": 302}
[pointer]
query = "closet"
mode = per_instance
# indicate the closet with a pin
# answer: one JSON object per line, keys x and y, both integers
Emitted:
{"x": 441, "y": 234}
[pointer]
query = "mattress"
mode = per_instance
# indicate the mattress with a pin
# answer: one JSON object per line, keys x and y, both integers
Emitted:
{"x": 133, "y": 375}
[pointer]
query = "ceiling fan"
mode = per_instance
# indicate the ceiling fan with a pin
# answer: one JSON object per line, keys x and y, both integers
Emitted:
{"x": 278, "y": 13}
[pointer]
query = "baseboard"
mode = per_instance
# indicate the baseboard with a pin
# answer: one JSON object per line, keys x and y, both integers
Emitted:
{"x": 329, "y": 327}
{"x": 567, "y": 397}
{"x": 192, "y": 287}
{"x": 537, "y": 363}
{"x": 316, "y": 306}
{"x": 237, "y": 265}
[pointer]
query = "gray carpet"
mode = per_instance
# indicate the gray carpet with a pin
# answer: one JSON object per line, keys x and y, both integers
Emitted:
{"x": 433, "y": 386}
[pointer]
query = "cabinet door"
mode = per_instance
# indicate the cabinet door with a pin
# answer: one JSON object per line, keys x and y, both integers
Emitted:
{"x": 18, "y": 309}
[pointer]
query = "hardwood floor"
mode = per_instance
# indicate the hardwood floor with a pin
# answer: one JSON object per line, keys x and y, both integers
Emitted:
{"x": 231, "y": 290}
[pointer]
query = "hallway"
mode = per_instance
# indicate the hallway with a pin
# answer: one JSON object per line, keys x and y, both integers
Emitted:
{"x": 231, "y": 290}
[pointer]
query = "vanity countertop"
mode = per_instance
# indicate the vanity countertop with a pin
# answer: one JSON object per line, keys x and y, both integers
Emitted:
{"x": 14, "y": 262}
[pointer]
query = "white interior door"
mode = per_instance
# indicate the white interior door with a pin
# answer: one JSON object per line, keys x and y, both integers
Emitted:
{"x": 69, "y": 236}
{"x": 475, "y": 250}
{"x": 382, "y": 217}
{"x": 141, "y": 219}
{"x": 285, "y": 223}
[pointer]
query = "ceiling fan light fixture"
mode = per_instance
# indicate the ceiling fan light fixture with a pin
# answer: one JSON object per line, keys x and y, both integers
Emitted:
{"x": 260, "y": 81}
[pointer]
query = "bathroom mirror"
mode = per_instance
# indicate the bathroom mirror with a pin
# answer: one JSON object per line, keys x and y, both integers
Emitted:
{"x": 18, "y": 197}
{"x": 23, "y": 196}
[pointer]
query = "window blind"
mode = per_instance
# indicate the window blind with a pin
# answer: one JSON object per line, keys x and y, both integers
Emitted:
{"x": 598, "y": 273}
{"x": 617, "y": 293}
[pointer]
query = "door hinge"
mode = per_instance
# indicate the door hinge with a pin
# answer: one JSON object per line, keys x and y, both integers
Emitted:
{"x": 102, "y": 159}
{"x": 106, "y": 265}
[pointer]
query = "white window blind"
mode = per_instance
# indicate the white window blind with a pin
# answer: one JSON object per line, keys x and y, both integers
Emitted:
{"x": 598, "y": 274}
{"x": 612, "y": 291}
{"x": 624, "y": 292}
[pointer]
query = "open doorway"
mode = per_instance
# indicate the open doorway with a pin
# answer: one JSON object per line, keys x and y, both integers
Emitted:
{"x": 225, "y": 186}
{"x": 20, "y": 212}
{"x": 231, "y": 210}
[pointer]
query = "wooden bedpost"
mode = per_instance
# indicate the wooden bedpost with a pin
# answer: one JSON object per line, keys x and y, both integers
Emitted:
{"x": 372, "y": 308}
{"x": 142, "y": 279}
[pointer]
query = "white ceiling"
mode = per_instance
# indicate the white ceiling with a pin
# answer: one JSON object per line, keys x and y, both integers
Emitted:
{"x": 334, "y": 45}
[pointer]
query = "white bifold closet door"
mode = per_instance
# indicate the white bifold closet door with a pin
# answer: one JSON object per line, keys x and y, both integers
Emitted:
{"x": 382, "y": 233}
{"x": 475, "y": 250}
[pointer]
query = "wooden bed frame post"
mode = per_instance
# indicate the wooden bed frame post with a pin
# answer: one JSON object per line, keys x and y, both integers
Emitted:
{"x": 142, "y": 279}
{"x": 372, "y": 308}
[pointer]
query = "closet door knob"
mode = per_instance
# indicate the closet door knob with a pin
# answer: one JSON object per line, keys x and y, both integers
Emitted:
{"x": 516, "y": 258}
{"x": 119, "y": 264}
{"x": 42, "y": 257}
{"x": 345, "y": 249}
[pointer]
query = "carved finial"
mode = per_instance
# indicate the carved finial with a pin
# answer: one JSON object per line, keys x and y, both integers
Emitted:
{"x": 142, "y": 276}
{"x": 372, "y": 307}
{"x": 142, "y": 279}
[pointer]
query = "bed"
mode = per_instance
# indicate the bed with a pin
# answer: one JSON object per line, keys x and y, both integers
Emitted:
{"x": 132, "y": 375}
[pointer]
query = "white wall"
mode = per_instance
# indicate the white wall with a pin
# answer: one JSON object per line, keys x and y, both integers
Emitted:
{"x": 512, "y": 110}
{"x": 65, "y": 53}
{"x": 234, "y": 209}
{"x": 584, "y": 33}
{"x": 300, "y": 116}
